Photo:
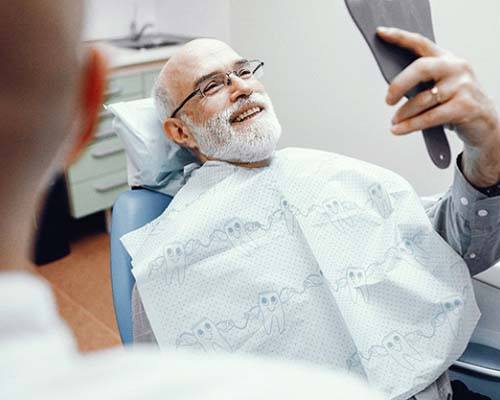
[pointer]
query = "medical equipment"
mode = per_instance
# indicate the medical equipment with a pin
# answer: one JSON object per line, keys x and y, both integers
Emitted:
{"x": 413, "y": 16}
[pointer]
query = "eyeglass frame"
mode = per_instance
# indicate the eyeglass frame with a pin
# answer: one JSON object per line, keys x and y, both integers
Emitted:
{"x": 198, "y": 90}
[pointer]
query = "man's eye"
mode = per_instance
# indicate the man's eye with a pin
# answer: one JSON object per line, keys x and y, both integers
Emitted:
{"x": 244, "y": 73}
{"x": 212, "y": 87}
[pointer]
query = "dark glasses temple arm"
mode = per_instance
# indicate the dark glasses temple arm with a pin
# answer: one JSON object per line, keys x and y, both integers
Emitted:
{"x": 184, "y": 102}
{"x": 259, "y": 65}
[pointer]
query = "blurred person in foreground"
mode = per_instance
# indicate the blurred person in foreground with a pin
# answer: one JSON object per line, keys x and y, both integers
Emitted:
{"x": 50, "y": 96}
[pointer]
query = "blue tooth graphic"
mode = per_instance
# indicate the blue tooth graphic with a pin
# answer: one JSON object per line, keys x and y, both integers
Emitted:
{"x": 271, "y": 311}
{"x": 209, "y": 337}
{"x": 380, "y": 200}
{"x": 453, "y": 307}
{"x": 401, "y": 350}
{"x": 356, "y": 280}
{"x": 175, "y": 263}
{"x": 239, "y": 238}
{"x": 288, "y": 215}
{"x": 338, "y": 215}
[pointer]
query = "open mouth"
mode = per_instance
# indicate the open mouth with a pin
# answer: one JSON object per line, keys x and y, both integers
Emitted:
{"x": 246, "y": 114}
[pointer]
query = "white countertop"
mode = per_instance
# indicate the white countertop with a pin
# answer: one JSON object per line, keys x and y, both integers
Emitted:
{"x": 122, "y": 57}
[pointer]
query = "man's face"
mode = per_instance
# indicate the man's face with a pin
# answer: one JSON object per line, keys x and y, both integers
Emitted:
{"x": 234, "y": 123}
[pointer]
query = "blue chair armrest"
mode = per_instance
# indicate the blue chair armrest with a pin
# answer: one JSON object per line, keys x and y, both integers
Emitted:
{"x": 132, "y": 209}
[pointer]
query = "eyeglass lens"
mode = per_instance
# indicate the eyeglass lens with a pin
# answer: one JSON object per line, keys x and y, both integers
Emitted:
{"x": 217, "y": 82}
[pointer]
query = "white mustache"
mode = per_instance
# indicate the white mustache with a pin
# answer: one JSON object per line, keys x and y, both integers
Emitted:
{"x": 254, "y": 98}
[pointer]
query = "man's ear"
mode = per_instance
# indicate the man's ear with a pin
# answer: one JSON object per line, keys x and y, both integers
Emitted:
{"x": 90, "y": 98}
{"x": 178, "y": 132}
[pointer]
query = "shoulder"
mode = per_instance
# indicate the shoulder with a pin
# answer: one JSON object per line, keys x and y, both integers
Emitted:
{"x": 334, "y": 163}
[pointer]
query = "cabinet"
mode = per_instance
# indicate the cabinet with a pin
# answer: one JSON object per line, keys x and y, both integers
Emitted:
{"x": 96, "y": 179}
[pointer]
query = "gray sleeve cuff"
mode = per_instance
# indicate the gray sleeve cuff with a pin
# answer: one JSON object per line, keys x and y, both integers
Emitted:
{"x": 482, "y": 213}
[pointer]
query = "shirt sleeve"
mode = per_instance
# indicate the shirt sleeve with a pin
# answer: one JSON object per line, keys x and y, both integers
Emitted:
{"x": 469, "y": 221}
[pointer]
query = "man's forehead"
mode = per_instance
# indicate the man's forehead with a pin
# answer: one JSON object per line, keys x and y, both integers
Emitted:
{"x": 196, "y": 59}
{"x": 209, "y": 57}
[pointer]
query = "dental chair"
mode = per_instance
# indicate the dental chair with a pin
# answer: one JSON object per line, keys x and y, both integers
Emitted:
{"x": 132, "y": 210}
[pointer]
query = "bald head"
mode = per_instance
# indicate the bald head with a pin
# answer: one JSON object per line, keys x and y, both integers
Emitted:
{"x": 177, "y": 78}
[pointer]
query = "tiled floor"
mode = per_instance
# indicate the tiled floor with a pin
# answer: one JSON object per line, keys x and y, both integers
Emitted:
{"x": 82, "y": 285}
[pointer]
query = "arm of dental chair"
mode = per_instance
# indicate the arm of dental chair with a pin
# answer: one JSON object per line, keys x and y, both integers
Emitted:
{"x": 480, "y": 359}
{"x": 479, "y": 369}
{"x": 132, "y": 210}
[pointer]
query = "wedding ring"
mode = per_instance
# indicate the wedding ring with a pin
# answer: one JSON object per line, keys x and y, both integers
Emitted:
{"x": 436, "y": 95}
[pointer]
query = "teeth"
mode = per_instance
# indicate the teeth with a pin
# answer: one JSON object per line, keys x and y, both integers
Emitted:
{"x": 247, "y": 113}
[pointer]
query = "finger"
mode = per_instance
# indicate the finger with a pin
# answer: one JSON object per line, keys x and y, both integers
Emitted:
{"x": 424, "y": 101}
{"x": 440, "y": 115}
{"x": 422, "y": 70}
{"x": 415, "y": 42}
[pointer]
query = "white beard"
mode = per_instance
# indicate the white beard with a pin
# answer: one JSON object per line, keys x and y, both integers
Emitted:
{"x": 218, "y": 140}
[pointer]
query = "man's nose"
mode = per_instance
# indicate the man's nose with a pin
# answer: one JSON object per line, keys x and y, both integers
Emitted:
{"x": 239, "y": 88}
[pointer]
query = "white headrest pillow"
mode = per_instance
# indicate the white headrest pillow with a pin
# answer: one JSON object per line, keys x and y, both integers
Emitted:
{"x": 153, "y": 161}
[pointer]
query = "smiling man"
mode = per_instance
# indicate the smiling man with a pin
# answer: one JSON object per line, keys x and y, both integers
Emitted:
{"x": 200, "y": 114}
{"x": 47, "y": 74}
{"x": 211, "y": 101}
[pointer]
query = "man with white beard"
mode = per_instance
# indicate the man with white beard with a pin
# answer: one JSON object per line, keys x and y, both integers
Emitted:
{"x": 211, "y": 102}
{"x": 39, "y": 356}
{"x": 212, "y": 133}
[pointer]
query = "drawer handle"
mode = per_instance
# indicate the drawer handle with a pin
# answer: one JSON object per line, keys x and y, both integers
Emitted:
{"x": 108, "y": 152}
{"x": 104, "y": 134}
{"x": 105, "y": 114}
{"x": 106, "y": 187}
{"x": 113, "y": 92}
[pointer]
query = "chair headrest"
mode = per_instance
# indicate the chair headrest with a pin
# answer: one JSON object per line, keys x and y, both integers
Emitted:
{"x": 153, "y": 161}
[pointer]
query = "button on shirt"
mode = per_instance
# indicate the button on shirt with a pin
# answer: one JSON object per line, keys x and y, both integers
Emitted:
{"x": 469, "y": 221}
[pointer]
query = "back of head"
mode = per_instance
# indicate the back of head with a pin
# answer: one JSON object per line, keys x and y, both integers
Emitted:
{"x": 39, "y": 82}
{"x": 38, "y": 78}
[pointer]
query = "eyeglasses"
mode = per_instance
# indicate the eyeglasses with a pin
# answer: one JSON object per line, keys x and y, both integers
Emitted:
{"x": 214, "y": 83}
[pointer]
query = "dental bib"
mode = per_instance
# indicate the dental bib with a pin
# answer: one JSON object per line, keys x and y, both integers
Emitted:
{"x": 316, "y": 258}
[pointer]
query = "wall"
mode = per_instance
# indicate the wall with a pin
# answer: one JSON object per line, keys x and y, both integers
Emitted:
{"x": 327, "y": 89}
{"x": 208, "y": 18}
{"x": 326, "y": 86}
{"x": 111, "y": 18}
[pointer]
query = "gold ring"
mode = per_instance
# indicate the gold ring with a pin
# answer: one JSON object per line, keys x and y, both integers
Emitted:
{"x": 436, "y": 95}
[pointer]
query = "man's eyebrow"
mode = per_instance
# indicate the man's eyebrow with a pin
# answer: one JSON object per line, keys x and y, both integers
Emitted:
{"x": 210, "y": 74}
{"x": 240, "y": 62}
